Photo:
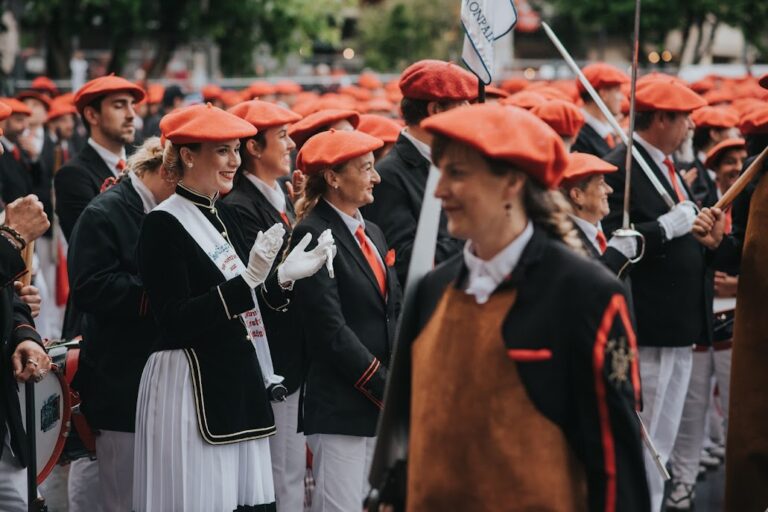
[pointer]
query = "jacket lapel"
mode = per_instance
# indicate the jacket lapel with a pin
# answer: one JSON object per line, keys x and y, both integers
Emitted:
{"x": 96, "y": 164}
{"x": 660, "y": 174}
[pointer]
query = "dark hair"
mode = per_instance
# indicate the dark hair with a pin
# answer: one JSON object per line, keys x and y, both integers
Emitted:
{"x": 701, "y": 137}
{"x": 95, "y": 105}
{"x": 261, "y": 141}
{"x": 586, "y": 97}
{"x": 756, "y": 142}
{"x": 414, "y": 111}
{"x": 644, "y": 118}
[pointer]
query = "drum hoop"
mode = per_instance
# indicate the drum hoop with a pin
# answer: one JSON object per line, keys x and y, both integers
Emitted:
{"x": 65, "y": 426}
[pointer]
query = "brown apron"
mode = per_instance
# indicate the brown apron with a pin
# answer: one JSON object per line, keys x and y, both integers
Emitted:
{"x": 746, "y": 488}
{"x": 476, "y": 441}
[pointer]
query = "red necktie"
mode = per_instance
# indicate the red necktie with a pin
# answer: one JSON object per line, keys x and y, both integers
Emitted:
{"x": 373, "y": 261}
{"x": 64, "y": 155}
{"x": 610, "y": 140}
{"x": 285, "y": 219}
{"x": 673, "y": 179}
{"x": 17, "y": 153}
{"x": 120, "y": 165}
{"x": 728, "y": 221}
{"x": 601, "y": 241}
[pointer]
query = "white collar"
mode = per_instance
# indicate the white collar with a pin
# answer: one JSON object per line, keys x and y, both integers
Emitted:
{"x": 486, "y": 276}
{"x": 9, "y": 146}
{"x": 274, "y": 196}
{"x": 658, "y": 158}
{"x": 146, "y": 195}
{"x": 423, "y": 149}
{"x": 109, "y": 157}
{"x": 602, "y": 128}
{"x": 589, "y": 229}
{"x": 352, "y": 223}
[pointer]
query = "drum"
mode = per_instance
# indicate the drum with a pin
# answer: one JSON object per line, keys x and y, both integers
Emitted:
{"x": 81, "y": 441}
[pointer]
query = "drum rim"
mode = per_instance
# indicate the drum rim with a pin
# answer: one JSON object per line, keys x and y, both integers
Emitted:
{"x": 66, "y": 415}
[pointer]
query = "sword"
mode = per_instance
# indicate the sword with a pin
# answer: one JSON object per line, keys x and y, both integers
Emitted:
{"x": 608, "y": 115}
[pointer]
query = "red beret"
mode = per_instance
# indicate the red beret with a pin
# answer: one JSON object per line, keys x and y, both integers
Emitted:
{"x": 564, "y": 117}
{"x": 549, "y": 92}
{"x": 582, "y": 165}
{"x": 704, "y": 85}
{"x": 263, "y": 114}
{"x": 714, "y": 154}
{"x": 287, "y": 87}
{"x": 755, "y": 121}
{"x": 716, "y": 96}
{"x": 17, "y": 107}
{"x": 319, "y": 121}
{"x": 656, "y": 75}
{"x": 42, "y": 98}
{"x": 353, "y": 91}
{"x": 744, "y": 105}
{"x": 715, "y": 117}
{"x": 495, "y": 92}
{"x": 380, "y": 127}
{"x": 524, "y": 99}
{"x": 43, "y": 83}
{"x": 334, "y": 147}
{"x": 506, "y": 133}
{"x": 60, "y": 107}
{"x": 763, "y": 81}
{"x": 667, "y": 94}
{"x": 5, "y": 111}
{"x": 211, "y": 92}
{"x": 155, "y": 93}
{"x": 104, "y": 85}
{"x": 601, "y": 75}
{"x": 513, "y": 85}
{"x": 379, "y": 104}
{"x": 369, "y": 80}
{"x": 230, "y": 98}
{"x": 437, "y": 80}
{"x": 204, "y": 123}
{"x": 261, "y": 88}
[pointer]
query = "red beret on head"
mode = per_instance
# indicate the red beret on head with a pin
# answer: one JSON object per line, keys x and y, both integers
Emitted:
{"x": 204, "y": 123}
{"x": 261, "y": 88}
{"x": 369, "y": 81}
{"x": 656, "y": 75}
{"x": 42, "y": 98}
{"x": 714, "y": 154}
{"x": 437, "y": 80}
{"x": 60, "y": 107}
{"x": 358, "y": 93}
{"x": 513, "y": 85}
{"x": 17, "y": 107}
{"x": 380, "y": 127}
{"x": 334, "y": 147}
{"x": 564, "y": 117}
{"x": 716, "y": 96}
{"x": 211, "y": 92}
{"x": 263, "y": 114}
{"x": 745, "y": 105}
{"x": 582, "y": 165}
{"x": 313, "y": 123}
{"x": 495, "y": 92}
{"x": 549, "y": 92}
{"x": 763, "y": 81}
{"x": 704, "y": 85}
{"x": 755, "y": 121}
{"x": 99, "y": 87}
{"x": 668, "y": 95}
{"x": 510, "y": 134}
{"x": 287, "y": 87}
{"x": 379, "y": 104}
{"x": 45, "y": 84}
{"x": 524, "y": 99}
{"x": 5, "y": 110}
{"x": 155, "y": 93}
{"x": 715, "y": 117}
{"x": 601, "y": 75}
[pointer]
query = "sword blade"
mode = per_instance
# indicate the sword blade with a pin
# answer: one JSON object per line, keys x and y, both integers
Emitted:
{"x": 630, "y": 138}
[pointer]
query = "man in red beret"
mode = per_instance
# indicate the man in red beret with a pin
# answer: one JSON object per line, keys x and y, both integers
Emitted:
{"x": 668, "y": 283}
{"x": 713, "y": 125}
{"x": 428, "y": 87}
{"x": 597, "y": 137}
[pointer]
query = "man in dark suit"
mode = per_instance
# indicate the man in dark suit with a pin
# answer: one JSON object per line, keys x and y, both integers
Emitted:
{"x": 428, "y": 87}
{"x": 20, "y": 171}
{"x": 668, "y": 285}
{"x": 107, "y": 107}
{"x": 596, "y": 136}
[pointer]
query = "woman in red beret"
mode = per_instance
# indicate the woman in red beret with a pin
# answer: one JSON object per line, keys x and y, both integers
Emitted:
{"x": 348, "y": 316}
{"x": 523, "y": 383}
{"x": 203, "y": 415}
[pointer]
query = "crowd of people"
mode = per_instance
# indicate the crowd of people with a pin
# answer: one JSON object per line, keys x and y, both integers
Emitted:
{"x": 234, "y": 270}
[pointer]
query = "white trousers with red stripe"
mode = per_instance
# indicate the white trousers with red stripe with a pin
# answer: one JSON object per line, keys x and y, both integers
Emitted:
{"x": 665, "y": 372}
{"x": 690, "y": 437}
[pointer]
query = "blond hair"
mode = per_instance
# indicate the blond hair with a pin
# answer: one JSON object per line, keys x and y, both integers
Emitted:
{"x": 147, "y": 159}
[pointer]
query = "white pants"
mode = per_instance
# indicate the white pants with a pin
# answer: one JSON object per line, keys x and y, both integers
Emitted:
{"x": 51, "y": 318}
{"x": 340, "y": 467}
{"x": 83, "y": 487}
{"x": 690, "y": 437}
{"x": 289, "y": 456}
{"x": 13, "y": 481}
{"x": 115, "y": 453}
{"x": 665, "y": 372}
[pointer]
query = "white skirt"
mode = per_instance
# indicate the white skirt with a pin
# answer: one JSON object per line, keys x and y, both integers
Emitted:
{"x": 174, "y": 469}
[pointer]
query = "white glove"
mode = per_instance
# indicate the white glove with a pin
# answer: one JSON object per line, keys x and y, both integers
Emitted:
{"x": 263, "y": 253}
{"x": 626, "y": 245}
{"x": 300, "y": 264}
{"x": 678, "y": 221}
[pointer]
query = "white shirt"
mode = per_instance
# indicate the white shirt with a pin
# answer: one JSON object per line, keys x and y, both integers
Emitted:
{"x": 146, "y": 195}
{"x": 109, "y": 157}
{"x": 7, "y": 144}
{"x": 274, "y": 195}
{"x": 589, "y": 229}
{"x": 603, "y": 129}
{"x": 486, "y": 276}
{"x": 658, "y": 158}
{"x": 38, "y": 138}
{"x": 352, "y": 224}
{"x": 423, "y": 149}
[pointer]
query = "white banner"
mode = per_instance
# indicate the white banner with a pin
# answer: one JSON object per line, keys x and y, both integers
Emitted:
{"x": 484, "y": 21}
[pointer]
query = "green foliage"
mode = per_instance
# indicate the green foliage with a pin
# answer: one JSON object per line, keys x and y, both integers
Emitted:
{"x": 398, "y": 32}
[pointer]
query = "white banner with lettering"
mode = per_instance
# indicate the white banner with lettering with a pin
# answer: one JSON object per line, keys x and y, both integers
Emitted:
{"x": 484, "y": 21}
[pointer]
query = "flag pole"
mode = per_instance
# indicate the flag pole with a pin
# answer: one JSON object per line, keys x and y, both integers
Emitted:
{"x": 480, "y": 91}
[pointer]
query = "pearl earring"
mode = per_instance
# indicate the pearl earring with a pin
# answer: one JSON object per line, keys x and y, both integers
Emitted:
{"x": 189, "y": 164}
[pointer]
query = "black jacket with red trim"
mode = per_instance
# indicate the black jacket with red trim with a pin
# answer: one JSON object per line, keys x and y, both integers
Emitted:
{"x": 16, "y": 325}
{"x": 589, "y": 141}
{"x": 118, "y": 329}
{"x": 348, "y": 330}
{"x": 574, "y": 308}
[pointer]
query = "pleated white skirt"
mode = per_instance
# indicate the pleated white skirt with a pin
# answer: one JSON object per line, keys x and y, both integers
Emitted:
{"x": 174, "y": 469}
